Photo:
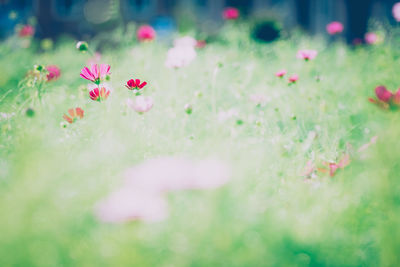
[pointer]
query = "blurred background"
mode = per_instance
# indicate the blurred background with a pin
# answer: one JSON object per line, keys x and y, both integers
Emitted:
{"x": 85, "y": 18}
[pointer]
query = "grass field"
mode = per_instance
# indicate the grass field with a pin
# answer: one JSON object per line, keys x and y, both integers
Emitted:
{"x": 269, "y": 213}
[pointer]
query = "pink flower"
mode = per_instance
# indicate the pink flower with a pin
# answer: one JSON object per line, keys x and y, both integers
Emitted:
{"x": 95, "y": 73}
{"x": 146, "y": 33}
{"x": 383, "y": 94}
{"x": 26, "y": 31}
{"x": 201, "y": 43}
{"x": 333, "y": 167}
{"x": 309, "y": 169}
{"x": 143, "y": 194}
{"x": 135, "y": 84}
{"x": 307, "y": 54}
{"x": 334, "y": 27}
{"x": 367, "y": 145}
{"x": 54, "y": 72}
{"x": 180, "y": 56}
{"x": 281, "y": 73}
{"x": 99, "y": 95}
{"x": 141, "y": 104}
{"x": 371, "y": 38}
{"x": 95, "y": 59}
{"x": 74, "y": 114}
{"x": 230, "y": 13}
{"x": 293, "y": 78}
{"x": 396, "y": 11}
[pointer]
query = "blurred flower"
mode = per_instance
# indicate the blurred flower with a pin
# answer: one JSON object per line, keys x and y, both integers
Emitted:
{"x": 230, "y": 13}
{"x": 142, "y": 196}
{"x": 293, "y": 78}
{"x": 333, "y": 167}
{"x": 135, "y": 84}
{"x": 309, "y": 169}
{"x": 146, "y": 33}
{"x": 30, "y": 112}
{"x": 307, "y": 54}
{"x": 141, "y": 104}
{"x": 334, "y": 27}
{"x": 26, "y": 31}
{"x": 126, "y": 204}
{"x": 386, "y": 98}
{"x": 46, "y": 44}
{"x": 396, "y": 11}
{"x": 181, "y": 56}
{"x": 95, "y": 73}
{"x": 99, "y": 95}
{"x": 281, "y": 73}
{"x": 74, "y": 114}
{"x": 185, "y": 41}
{"x": 53, "y": 72}
{"x": 371, "y": 38}
{"x": 201, "y": 43}
{"x": 82, "y": 46}
{"x": 357, "y": 41}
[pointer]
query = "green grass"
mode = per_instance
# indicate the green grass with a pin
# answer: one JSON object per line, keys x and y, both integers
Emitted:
{"x": 51, "y": 177}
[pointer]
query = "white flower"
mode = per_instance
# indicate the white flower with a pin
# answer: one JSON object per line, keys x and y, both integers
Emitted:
{"x": 180, "y": 56}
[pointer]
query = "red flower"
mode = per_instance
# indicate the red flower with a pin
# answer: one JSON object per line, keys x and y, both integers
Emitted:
{"x": 385, "y": 98}
{"x": 135, "y": 84}
{"x": 26, "y": 31}
{"x": 74, "y": 114}
{"x": 54, "y": 72}
{"x": 146, "y": 33}
{"x": 99, "y": 95}
{"x": 230, "y": 13}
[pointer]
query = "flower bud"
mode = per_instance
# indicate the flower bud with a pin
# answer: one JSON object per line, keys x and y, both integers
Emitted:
{"x": 30, "y": 112}
{"x": 82, "y": 46}
{"x": 188, "y": 109}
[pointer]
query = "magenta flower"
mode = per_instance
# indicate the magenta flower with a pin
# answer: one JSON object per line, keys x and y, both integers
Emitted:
{"x": 230, "y": 13}
{"x": 333, "y": 167}
{"x": 141, "y": 104}
{"x": 53, "y": 72}
{"x": 99, "y": 95}
{"x": 383, "y": 94}
{"x": 96, "y": 73}
{"x": 146, "y": 33}
{"x": 371, "y": 38}
{"x": 385, "y": 98}
{"x": 334, "y": 27}
{"x": 307, "y": 54}
{"x": 26, "y": 31}
{"x": 396, "y": 11}
{"x": 293, "y": 78}
{"x": 281, "y": 73}
{"x": 135, "y": 84}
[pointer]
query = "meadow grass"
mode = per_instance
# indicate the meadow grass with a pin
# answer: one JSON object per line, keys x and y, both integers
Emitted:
{"x": 267, "y": 215}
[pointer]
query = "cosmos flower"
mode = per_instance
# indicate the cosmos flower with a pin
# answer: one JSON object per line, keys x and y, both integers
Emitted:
{"x": 180, "y": 56}
{"x": 135, "y": 84}
{"x": 334, "y": 27}
{"x": 26, "y": 31}
{"x": 143, "y": 194}
{"x": 386, "y": 98}
{"x": 96, "y": 73}
{"x": 307, "y": 54}
{"x": 293, "y": 79}
{"x": 99, "y": 95}
{"x": 74, "y": 114}
{"x": 281, "y": 73}
{"x": 141, "y": 104}
{"x": 146, "y": 33}
{"x": 333, "y": 167}
{"x": 53, "y": 72}
{"x": 230, "y": 13}
{"x": 371, "y": 38}
{"x": 396, "y": 11}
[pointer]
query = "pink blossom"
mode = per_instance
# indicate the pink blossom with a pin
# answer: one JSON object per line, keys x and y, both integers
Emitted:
{"x": 371, "y": 38}
{"x": 146, "y": 33}
{"x": 142, "y": 195}
{"x": 367, "y": 145}
{"x": 141, "y": 104}
{"x": 95, "y": 73}
{"x": 180, "y": 56}
{"x": 309, "y": 169}
{"x": 383, "y": 94}
{"x": 333, "y": 167}
{"x": 53, "y": 72}
{"x": 334, "y": 27}
{"x": 293, "y": 78}
{"x": 230, "y": 13}
{"x": 396, "y": 11}
{"x": 281, "y": 73}
{"x": 26, "y": 31}
{"x": 307, "y": 54}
